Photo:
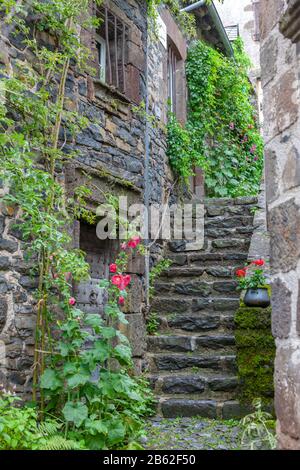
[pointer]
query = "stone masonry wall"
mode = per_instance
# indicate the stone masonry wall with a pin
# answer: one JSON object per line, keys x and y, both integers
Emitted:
{"x": 280, "y": 63}
{"x": 112, "y": 151}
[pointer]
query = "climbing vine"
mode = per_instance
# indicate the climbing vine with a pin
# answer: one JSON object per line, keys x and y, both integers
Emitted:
{"x": 98, "y": 405}
{"x": 222, "y": 134}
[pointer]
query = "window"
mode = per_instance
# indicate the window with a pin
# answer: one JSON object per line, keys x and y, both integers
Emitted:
{"x": 232, "y": 32}
{"x": 172, "y": 67}
{"x": 101, "y": 50}
{"x": 112, "y": 49}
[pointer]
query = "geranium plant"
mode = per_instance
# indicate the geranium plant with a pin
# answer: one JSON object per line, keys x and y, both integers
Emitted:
{"x": 252, "y": 276}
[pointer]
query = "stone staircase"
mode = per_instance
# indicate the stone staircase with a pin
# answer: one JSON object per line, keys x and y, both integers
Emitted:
{"x": 192, "y": 358}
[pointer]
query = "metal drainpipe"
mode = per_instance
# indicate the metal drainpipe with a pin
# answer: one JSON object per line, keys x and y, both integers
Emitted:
{"x": 216, "y": 20}
{"x": 147, "y": 173}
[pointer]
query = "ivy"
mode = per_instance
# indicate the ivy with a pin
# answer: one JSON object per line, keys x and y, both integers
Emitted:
{"x": 222, "y": 134}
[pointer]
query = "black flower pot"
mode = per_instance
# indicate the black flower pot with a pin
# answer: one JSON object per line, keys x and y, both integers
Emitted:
{"x": 257, "y": 298}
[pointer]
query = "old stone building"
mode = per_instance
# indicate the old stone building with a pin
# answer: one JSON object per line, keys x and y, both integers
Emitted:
{"x": 280, "y": 64}
{"x": 119, "y": 151}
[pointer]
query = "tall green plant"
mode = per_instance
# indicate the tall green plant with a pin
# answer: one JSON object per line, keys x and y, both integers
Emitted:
{"x": 222, "y": 131}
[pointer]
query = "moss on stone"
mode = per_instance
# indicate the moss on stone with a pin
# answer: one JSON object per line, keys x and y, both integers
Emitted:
{"x": 254, "y": 339}
{"x": 255, "y": 354}
{"x": 254, "y": 318}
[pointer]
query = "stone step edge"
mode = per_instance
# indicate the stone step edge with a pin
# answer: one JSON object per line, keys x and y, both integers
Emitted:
{"x": 209, "y": 408}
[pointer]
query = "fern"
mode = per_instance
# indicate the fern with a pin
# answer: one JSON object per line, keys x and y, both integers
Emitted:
{"x": 60, "y": 443}
{"x": 53, "y": 440}
{"x": 49, "y": 428}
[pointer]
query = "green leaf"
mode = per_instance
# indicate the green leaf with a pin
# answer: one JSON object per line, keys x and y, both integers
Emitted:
{"x": 117, "y": 432}
{"x": 122, "y": 353}
{"x": 75, "y": 412}
{"x": 81, "y": 378}
{"x": 94, "y": 320}
{"x": 50, "y": 380}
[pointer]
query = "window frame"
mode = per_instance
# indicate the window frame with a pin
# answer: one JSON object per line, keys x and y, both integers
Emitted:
{"x": 114, "y": 40}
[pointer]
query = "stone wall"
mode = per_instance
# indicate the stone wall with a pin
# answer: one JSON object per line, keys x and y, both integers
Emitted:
{"x": 280, "y": 63}
{"x": 112, "y": 151}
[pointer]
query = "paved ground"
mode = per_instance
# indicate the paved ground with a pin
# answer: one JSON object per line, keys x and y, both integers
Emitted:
{"x": 192, "y": 434}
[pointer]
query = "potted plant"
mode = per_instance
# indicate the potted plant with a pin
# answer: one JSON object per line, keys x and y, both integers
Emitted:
{"x": 253, "y": 279}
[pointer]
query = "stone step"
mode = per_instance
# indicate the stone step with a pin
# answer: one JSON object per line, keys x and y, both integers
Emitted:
{"x": 171, "y": 305}
{"x": 189, "y": 343}
{"x": 198, "y": 288}
{"x": 205, "y": 408}
{"x": 229, "y": 202}
{"x": 228, "y": 233}
{"x": 229, "y": 222}
{"x": 193, "y": 384}
{"x": 201, "y": 259}
{"x": 195, "y": 323}
{"x": 174, "y": 362}
{"x": 205, "y": 272}
{"x": 230, "y": 244}
{"x": 213, "y": 210}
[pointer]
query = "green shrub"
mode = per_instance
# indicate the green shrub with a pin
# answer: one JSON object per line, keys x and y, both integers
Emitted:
{"x": 20, "y": 429}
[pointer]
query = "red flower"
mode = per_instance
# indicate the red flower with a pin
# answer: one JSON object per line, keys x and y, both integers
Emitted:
{"x": 259, "y": 262}
{"x": 113, "y": 268}
{"x": 241, "y": 273}
{"x": 126, "y": 280}
{"x": 72, "y": 301}
{"x": 117, "y": 280}
{"x": 120, "y": 281}
{"x": 121, "y": 300}
{"x": 134, "y": 241}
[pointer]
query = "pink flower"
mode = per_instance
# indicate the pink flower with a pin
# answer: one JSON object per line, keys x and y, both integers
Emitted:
{"x": 121, "y": 300}
{"x": 124, "y": 246}
{"x": 255, "y": 158}
{"x": 120, "y": 281}
{"x": 117, "y": 280}
{"x": 231, "y": 126}
{"x": 253, "y": 148}
{"x": 245, "y": 138}
{"x": 113, "y": 268}
{"x": 126, "y": 280}
{"x": 72, "y": 301}
{"x": 134, "y": 241}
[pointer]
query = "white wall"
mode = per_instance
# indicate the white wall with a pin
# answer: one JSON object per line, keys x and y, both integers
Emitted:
{"x": 241, "y": 12}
